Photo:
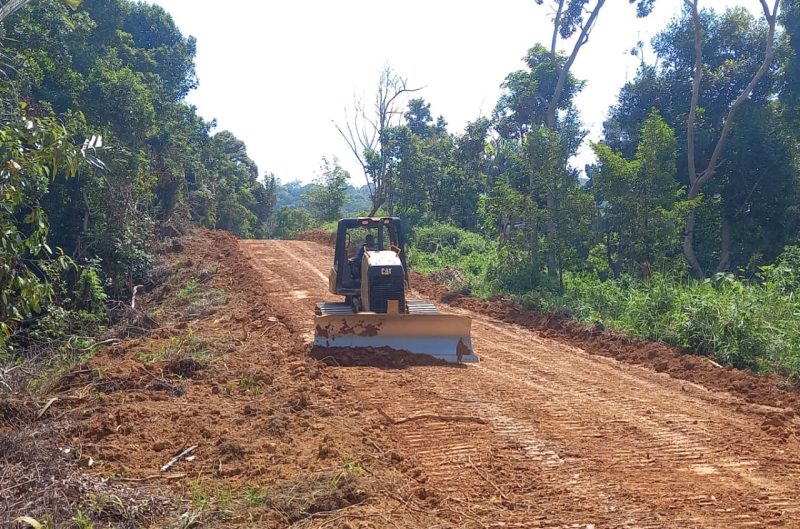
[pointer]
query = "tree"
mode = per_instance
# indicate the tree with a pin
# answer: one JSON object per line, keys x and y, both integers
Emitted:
{"x": 638, "y": 198}
{"x": 752, "y": 191}
{"x": 326, "y": 198}
{"x": 698, "y": 179}
{"x": 568, "y": 21}
{"x": 367, "y": 136}
{"x": 35, "y": 151}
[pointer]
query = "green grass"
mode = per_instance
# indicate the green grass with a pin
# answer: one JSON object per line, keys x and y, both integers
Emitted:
{"x": 185, "y": 346}
{"x": 749, "y": 323}
{"x": 253, "y": 497}
{"x": 753, "y": 324}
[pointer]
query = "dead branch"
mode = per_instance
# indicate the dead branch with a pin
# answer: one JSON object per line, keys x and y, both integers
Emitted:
{"x": 443, "y": 418}
{"x": 174, "y": 475}
{"x": 46, "y": 407}
{"x": 133, "y": 297}
{"x": 563, "y": 71}
{"x": 178, "y": 457}
{"x": 98, "y": 344}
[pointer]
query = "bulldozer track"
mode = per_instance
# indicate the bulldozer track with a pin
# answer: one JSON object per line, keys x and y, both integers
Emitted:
{"x": 569, "y": 439}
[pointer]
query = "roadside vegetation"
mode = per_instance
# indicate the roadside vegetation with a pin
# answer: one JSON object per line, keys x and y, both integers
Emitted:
{"x": 684, "y": 231}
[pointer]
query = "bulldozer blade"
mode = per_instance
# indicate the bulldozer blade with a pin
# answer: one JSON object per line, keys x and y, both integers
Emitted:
{"x": 443, "y": 336}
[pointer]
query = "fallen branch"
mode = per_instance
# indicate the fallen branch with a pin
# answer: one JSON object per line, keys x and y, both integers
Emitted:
{"x": 444, "y": 418}
{"x": 177, "y": 475}
{"x": 133, "y": 297}
{"x": 46, "y": 407}
{"x": 98, "y": 344}
{"x": 178, "y": 457}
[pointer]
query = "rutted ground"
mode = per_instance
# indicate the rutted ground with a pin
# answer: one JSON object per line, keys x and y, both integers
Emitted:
{"x": 561, "y": 437}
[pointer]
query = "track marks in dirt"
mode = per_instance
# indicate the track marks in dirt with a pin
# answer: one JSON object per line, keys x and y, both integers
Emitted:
{"x": 571, "y": 439}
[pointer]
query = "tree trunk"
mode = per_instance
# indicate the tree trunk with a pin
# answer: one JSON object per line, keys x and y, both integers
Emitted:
{"x": 726, "y": 245}
{"x": 552, "y": 234}
{"x": 688, "y": 247}
{"x": 698, "y": 179}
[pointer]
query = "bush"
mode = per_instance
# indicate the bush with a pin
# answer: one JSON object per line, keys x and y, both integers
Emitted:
{"x": 441, "y": 246}
{"x": 746, "y": 324}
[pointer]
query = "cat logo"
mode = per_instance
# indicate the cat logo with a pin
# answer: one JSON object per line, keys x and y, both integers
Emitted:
{"x": 386, "y": 271}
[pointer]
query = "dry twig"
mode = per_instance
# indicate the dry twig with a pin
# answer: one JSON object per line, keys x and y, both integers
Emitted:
{"x": 178, "y": 457}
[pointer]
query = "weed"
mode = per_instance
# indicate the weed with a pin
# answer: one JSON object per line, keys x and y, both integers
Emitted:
{"x": 200, "y": 498}
{"x": 82, "y": 520}
{"x": 187, "y": 290}
{"x": 249, "y": 385}
{"x": 254, "y": 497}
{"x": 147, "y": 357}
{"x": 186, "y": 346}
{"x": 349, "y": 469}
{"x": 224, "y": 499}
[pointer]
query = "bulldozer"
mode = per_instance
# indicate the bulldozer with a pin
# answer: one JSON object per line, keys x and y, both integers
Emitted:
{"x": 373, "y": 277}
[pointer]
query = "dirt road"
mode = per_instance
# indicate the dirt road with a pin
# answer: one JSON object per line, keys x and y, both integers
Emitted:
{"x": 562, "y": 438}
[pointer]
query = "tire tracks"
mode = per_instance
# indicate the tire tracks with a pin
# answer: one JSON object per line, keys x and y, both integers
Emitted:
{"x": 572, "y": 439}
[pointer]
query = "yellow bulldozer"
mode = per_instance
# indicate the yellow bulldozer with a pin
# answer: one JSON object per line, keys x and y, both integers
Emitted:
{"x": 371, "y": 271}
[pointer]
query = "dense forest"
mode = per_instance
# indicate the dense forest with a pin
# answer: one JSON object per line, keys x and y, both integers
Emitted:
{"x": 685, "y": 229}
{"x": 99, "y": 148}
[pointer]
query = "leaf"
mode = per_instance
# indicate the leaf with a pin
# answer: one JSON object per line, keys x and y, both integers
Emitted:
{"x": 30, "y": 521}
{"x": 73, "y": 4}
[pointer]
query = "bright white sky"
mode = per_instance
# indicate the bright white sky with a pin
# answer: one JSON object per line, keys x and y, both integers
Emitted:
{"x": 276, "y": 73}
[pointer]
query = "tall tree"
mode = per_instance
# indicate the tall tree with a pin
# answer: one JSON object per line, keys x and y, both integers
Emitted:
{"x": 572, "y": 19}
{"x": 326, "y": 198}
{"x": 699, "y": 178}
{"x": 637, "y": 198}
{"x": 744, "y": 197}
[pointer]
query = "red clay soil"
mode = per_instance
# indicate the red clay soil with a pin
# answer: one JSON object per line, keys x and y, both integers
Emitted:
{"x": 278, "y": 439}
{"x": 318, "y": 235}
{"x": 542, "y": 433}
{"x": 769, "y": 390}
{"x": 545, "y": 431}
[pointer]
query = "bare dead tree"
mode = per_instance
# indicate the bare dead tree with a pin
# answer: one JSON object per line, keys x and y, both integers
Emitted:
{"x": 698, "y": 179}
{"x": 365, "y": 132}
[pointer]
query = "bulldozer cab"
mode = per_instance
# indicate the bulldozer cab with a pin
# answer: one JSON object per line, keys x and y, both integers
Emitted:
{"x": 353, "y": 237}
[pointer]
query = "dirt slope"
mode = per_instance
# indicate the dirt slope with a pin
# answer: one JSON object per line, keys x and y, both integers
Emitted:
{"x": 561, "y": 437}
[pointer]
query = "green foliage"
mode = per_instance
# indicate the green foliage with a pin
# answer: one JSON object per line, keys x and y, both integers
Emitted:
{"x": 326, "y": 198}
{"x": 748, "y": 210}
{"x": 638, "y": 199}
{"x": 289, "y": 222}
{"x": 89, "y": 293}
{"x": 187, "y": 290}
{"x": 34, "y": 151}
{"x": 752, "y": 324}
{"x": 446, "y": 247}
{"x": 748, "y": 324}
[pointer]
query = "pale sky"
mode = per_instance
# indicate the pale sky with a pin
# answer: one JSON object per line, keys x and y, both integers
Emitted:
{"x": 276, "y": 73}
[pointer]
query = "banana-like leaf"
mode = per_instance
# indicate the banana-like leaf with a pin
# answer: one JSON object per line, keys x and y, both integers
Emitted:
{"x": 73, "y": 3}
{"x": 30, "y": 521}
